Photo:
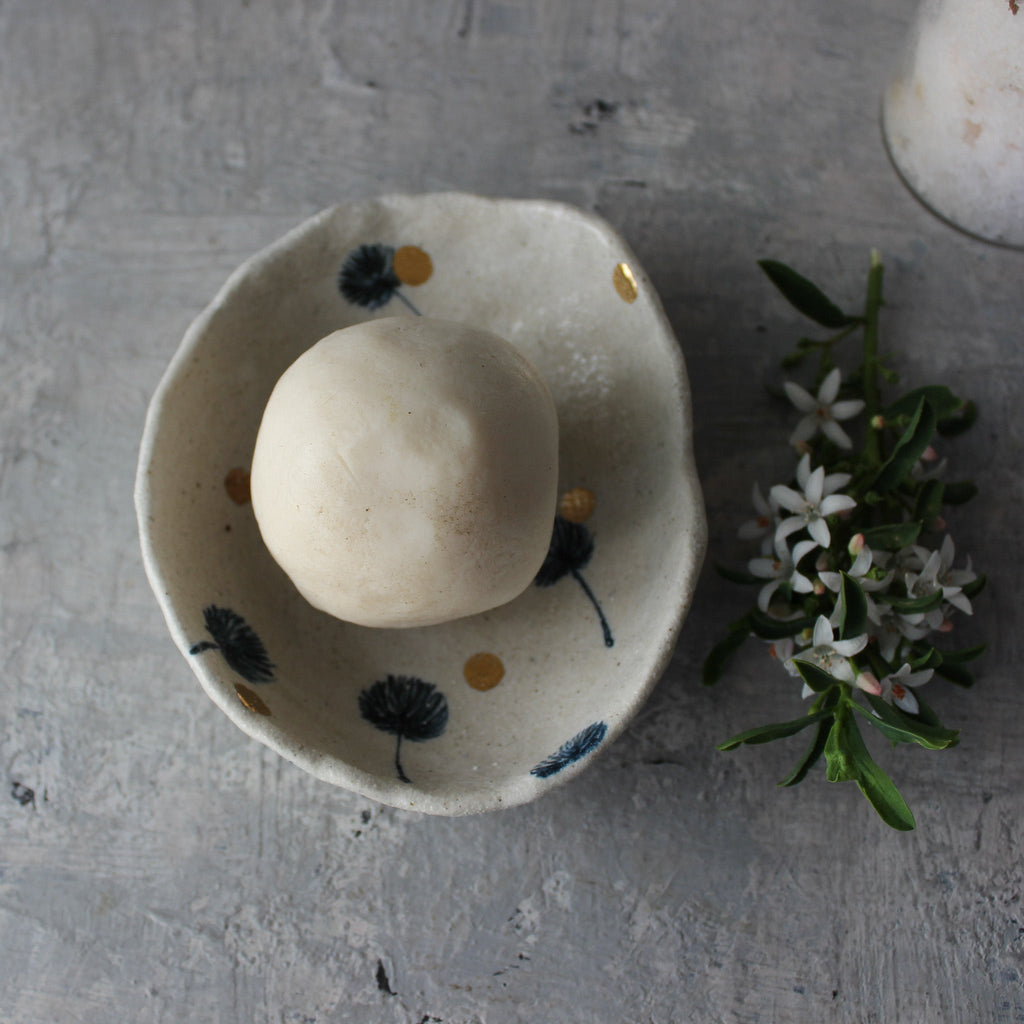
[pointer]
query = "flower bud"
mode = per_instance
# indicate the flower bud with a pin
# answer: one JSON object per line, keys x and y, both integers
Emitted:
{"x": 868, "y": 682}
{"x": 877, "y": 422}
{"x": 856, "y": 545}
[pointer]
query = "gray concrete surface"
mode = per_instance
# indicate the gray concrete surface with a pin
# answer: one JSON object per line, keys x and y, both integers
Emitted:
{"x": 157, "y": 866}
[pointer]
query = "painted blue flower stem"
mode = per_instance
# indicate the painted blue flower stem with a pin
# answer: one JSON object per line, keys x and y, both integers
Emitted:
{"x": 609, "y": 640}
{"x": 400, "y": 295}
{"x": 398, "y": 761}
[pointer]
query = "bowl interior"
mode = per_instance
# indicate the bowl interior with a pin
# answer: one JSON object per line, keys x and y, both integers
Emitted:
{"x": 415, "y": 717}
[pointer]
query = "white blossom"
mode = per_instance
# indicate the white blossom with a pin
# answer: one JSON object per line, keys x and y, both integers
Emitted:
{"x": 860, "y": 571}
{"x": 832, "y": 655}
{"x": 895, "y": 687}
{"x": 894, "y": 629}
{"x": 815, "y": 500}
{"x": 782, "y": 651}
{"x": 762, "y": 527}
{"x": 781, "y": 569}
{"x": 937, "y": 573}
{"x": 822, "y": 411}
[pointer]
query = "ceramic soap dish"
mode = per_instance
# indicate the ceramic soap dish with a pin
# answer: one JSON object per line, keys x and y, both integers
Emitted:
{"x": 483, "y": 712}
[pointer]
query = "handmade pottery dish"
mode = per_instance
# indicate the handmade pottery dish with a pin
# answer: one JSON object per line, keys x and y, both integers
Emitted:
{"x": 482, "y": 712}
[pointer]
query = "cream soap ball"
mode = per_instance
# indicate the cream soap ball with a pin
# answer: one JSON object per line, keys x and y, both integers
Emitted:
{"x": 406, "y": 472}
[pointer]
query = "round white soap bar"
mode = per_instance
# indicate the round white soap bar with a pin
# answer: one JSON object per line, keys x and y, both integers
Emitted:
{"x": 405, "y": 472}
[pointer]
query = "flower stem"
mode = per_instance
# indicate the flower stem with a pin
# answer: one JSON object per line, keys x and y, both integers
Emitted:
{"x": 408, "y": 302}
{"x": 609, "y": 640}
{"x": 398, "y": 761}
{"x": 872, "y": 397}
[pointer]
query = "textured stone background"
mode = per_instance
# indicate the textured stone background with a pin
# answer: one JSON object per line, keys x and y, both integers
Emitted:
{"x": 157, "y": 866}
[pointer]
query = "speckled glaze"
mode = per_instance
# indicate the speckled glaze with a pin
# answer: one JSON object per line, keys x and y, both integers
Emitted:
{"x": 410, "y": 717}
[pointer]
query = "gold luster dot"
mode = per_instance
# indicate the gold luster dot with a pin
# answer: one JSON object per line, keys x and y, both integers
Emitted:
{"x": 577, "y": 505}
{"x": 483, "y": 671}
{"x": 412, "y": 265}
{"x": 236, "y": 483}
{"x": 253, "y": 701}
{"x": 625, "y": 282}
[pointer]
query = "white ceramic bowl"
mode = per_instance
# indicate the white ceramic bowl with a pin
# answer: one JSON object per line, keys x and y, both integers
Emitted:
{"x": 488, "y": 711}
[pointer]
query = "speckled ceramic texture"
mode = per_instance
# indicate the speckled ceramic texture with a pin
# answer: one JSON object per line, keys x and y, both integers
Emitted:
{"x": 488, "y": 711}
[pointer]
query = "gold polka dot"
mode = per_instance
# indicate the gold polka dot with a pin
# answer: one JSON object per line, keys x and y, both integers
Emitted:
{"x": 412, "y": 265}
{"x": 237, "y": 485}
{"x": 625, "y": 282}
{"x": 253, "y": 701}
{"x": 577, "y": 505}
{"x": 484, "y": 671}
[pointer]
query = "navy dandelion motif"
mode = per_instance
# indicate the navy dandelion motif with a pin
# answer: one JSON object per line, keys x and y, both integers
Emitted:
{"x": 572, "y": 547}
{"x": 372, "y": 275}
{"x": 406, "y": 707}
{"x": 237, "y": 642}
{"x": 571, "y": 751}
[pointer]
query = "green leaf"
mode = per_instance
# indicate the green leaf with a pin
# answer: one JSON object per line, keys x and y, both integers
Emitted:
{"x": 927, "y": 657}
{"x": 893, "y": 537}
{"x": 929, "y": 502}
{"x": 804, "y": 296}
{"x": 848, "y": 760}
{"x": 719, "y": 655}
{"x": 852, "y": 608}
{"x": 965, "y": 654}
{"x": 826, "y": 701}
{"x": 925, "y": 713}
{"x": 942, "y": 401}
{"x": 912, "y": 605}
{"x": 956, "y": 674}
{"x": 909, "y": 448}
{"x": 812, "y": 756}
{"x": 737, "y": 575}
{"x": 959, "y": 492}
{"x": 767, "y": 733}
{"x": 975, "y": 587}
{"x": 768, "y": 628}
{"x": 886, "y": 799}
{"x": 814, "y": 676}
{"x": 895, "y": 735}
{"x": 903, "y": 728}
{"x": 952, "y": 426}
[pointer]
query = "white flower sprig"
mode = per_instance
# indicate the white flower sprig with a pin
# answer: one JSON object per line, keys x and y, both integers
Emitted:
{"x": 856, "y": 571}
